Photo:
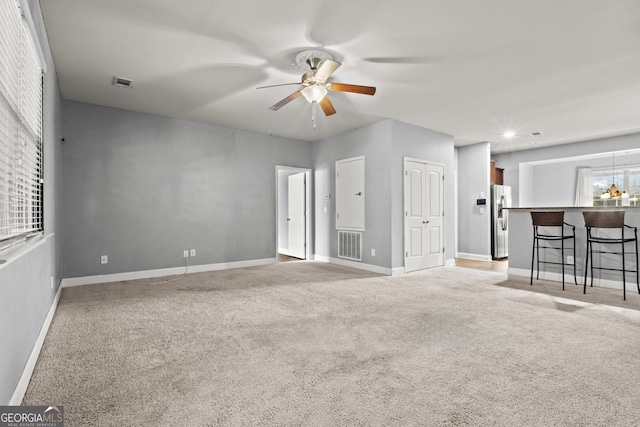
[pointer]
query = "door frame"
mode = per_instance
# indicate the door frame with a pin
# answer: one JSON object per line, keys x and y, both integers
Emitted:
{"x": 308, "y": 211}
{"x": 404, "y": 204}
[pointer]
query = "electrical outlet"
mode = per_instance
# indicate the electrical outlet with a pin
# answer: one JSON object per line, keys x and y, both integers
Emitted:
{"x": 104, "y": 259}
{"x": 570, "y": 259}
{"x": 185, "y": 253}
{"x": 373, "y": 252}
{"x": 193, "y": 252}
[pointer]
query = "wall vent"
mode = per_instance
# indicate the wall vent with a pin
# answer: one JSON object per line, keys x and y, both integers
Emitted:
{"x": 122, "y": 82}
{"x": 350, "y": 245}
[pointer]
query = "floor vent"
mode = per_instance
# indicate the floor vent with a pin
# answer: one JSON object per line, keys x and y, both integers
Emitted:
{"x": 350, "y": 245}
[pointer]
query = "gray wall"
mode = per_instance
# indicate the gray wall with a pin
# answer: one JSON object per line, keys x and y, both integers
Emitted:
{"x": 538, "y": 181}
{"x": 373, "y": 142}
{"x": 474, "y": 229}
{"x": 555, "y": 183}
{"x": 384, "y": 145}
{"x": 25, "y": 280}
{"x": 432, "y": 146}
{"x": 142, "y": 188}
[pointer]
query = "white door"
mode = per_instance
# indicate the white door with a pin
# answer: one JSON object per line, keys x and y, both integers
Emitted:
{"x": 350, "y": 194}
{"x": 424, "y": 212}
{"x": 296, "y": 215}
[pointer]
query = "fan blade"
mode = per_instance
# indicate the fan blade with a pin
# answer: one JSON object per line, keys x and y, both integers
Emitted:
{"x": 326, "y": 69}
{"x": 341, "y": 87}
{"x": 327, "y": 106}
{"x": 403, "y": 60}
{"x": 288, "y": 99}
{"x": 284, "y": 84}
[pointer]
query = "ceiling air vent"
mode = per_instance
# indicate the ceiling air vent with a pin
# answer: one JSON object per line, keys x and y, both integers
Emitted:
{"x": 122, "y": 82}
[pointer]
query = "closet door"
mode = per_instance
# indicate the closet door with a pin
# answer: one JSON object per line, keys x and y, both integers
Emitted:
{"x": 350, "y": 194}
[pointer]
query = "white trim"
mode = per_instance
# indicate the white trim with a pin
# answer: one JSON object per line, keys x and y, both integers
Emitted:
{"x": 398, "y": 271}
{"x": 14, "y": 252}
{"x": 23, "y": 383}
{"x": 26, "y": 15}
{"x": 321, "y": 258}
{"x": 476, "y": 257}
{"x": 360, "y": 266}
{"x": 147, "y": 274}
{"x": 568, "y": 278}
{"x": 308, "y": 211}
{"x": 450, "y": 262}
{"x": 286, "y": 252}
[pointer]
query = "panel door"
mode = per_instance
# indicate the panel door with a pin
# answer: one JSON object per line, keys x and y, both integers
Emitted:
{"x": 424, "y": 231}
{"x": 350, "y": 194}
{"x": 296, "y": 216}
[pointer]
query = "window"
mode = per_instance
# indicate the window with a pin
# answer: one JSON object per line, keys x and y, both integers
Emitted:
{"x": 627, "y": 180}
{"x": 21, "y": 199}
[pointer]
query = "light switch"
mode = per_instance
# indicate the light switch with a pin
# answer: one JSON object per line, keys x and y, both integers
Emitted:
{"x": 325, "y": 209}
{"x": 481, "y": 210}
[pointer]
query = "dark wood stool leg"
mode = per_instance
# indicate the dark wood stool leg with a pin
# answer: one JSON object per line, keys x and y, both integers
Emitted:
{"x": 637, "y": 277}
{"x": 586, "y": 267}
{"x": 624, "y": 273}
{"x": 562, "y": 260}
{"x": 533, "y": 256}
{"x": 575, "y": 274}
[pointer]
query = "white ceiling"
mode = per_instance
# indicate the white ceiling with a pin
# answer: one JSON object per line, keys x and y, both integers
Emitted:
{"x": 472, "y": 69}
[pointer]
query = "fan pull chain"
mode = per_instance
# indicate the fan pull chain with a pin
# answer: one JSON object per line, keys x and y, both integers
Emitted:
{"x": 313, "y": 113}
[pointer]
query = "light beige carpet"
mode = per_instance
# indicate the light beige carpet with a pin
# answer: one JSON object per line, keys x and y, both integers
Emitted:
{"x": 312, "y": 344}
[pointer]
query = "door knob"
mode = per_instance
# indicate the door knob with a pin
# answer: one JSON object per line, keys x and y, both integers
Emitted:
{"x": 359, "y": 193}
{"x": 425, "y": 222}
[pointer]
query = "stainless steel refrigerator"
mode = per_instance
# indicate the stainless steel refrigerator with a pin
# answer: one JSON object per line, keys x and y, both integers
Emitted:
{"x": 500, "y": 199}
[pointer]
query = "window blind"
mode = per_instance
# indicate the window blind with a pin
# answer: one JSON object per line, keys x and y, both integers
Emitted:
{"x": 21, "y": 198}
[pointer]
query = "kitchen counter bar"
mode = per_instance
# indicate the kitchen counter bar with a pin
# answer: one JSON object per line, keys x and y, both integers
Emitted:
{"x": 521, "y": 242}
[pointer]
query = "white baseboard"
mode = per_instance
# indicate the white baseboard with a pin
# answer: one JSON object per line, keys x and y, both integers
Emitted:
{"x": 398, "y": 271}
{"x": 148, "y": 274}
{"x": 284, "y": 251}
{"x": 568, "y": 278}
{"x": 359, "y": 265}
{"x": 476, "y": 257}
{"x": 544, "y": 275}
{"x": 23, "y": 383}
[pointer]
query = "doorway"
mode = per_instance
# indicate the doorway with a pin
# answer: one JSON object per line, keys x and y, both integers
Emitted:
{"x": 293, "y": 213}
{"x": 424, "y": 214}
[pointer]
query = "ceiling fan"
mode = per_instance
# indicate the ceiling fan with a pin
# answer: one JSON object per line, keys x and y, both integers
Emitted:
{"x": 315, "y": 85}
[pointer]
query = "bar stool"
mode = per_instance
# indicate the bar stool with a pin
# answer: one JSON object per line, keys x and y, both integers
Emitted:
{"x": 611, "y": 220}
{"x": 553, "y": 230}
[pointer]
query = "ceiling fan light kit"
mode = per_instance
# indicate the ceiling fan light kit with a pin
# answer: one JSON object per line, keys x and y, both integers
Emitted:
{"x": 314, "y": 93}
{"x": 315, "y": 85}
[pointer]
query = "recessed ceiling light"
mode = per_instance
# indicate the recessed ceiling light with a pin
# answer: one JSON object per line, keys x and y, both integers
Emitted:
{"x": 509, "y": 134}
{"x": 122, "y": 82}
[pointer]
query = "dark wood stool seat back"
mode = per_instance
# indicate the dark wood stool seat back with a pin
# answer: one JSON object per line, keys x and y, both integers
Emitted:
{"x": 605, "y": 219}
{"x": 553, "y": 229}
{"x": 548, "y": 219}
{"x": 609, "y": 220}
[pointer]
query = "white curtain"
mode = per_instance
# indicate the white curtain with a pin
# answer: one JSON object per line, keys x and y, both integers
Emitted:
{"x": 584, "y": 188}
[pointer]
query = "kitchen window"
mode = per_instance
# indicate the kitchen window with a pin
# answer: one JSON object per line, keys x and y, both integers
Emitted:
{"x": 627, "y": 180}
